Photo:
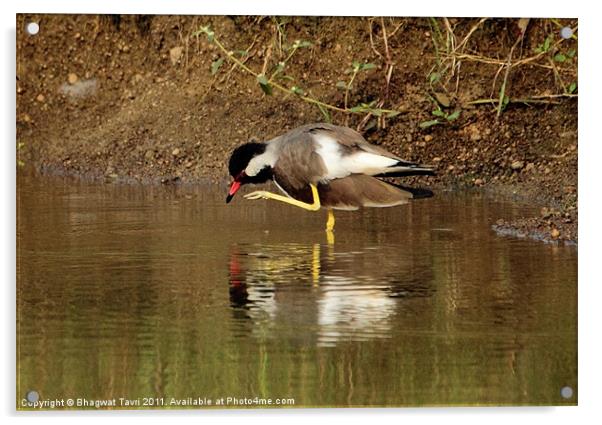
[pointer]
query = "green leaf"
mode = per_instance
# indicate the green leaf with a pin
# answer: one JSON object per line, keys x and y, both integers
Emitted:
{"x": 301, "y": 43}
{"x": 297, "y": 90}
{"x": 538, "y": 49}
{"x": 453, "y": 116}
{"x": 279, "y": 68}
{"x": 216, "y": 65}
{"x": 371, "y": 124}
{"x": 358, "y": 108}
{"x": 366, "y": 66}
{"x": 342, "y": 85}
{"x": 427, "y": 124}
{"x": 434, "y": 77}
{"x": 392, "y": 114}
{"x": 207, "y": 31}
{"x": 571, "y": 53}
{"x": 438, "y": 113}
{"x": 325, "y": 112}
{"x": 559, "y": 57}
{"x": 262, "y": 79}
{"x": 264, "y": 84}
{"x": 572, "y": 88}
{"x": 546, "y": 43}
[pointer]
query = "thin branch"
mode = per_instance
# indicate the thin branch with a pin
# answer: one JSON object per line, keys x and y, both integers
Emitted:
{"x": 536, "y": 99}
{"x": 230, "y": 55}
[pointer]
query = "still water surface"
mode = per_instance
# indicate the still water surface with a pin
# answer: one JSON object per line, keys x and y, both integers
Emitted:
{"x": 167, "y": 292}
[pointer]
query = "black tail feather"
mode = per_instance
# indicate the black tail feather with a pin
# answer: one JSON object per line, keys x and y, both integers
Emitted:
{"x": 410, "y": 172}
{"x": 417, "y": 192}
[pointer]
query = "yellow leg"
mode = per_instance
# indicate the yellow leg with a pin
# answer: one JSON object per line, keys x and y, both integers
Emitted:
{"x": 330, "y": 237}
{"x": 262, "y": 194}
{"x": 330, "y": 228}
{"x": 330, "y": 221}
{"x": 315, "y": 264}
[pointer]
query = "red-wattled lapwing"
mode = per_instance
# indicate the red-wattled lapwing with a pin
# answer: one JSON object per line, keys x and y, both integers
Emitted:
{"x": 324, "y": 165}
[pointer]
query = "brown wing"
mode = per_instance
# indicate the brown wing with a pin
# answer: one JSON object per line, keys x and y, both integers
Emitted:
{"x": 359, "y": 190}
{"x": 298, "y": 164}
{"x": 351, "y": 193}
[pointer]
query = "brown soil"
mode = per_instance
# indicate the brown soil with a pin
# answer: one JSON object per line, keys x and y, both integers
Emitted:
{"x": 132, "y": 98}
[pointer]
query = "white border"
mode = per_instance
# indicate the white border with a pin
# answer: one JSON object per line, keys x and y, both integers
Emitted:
{"x": 590, "y": 102}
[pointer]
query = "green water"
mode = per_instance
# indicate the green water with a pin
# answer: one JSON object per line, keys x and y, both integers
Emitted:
{"x": 167, "y": 293}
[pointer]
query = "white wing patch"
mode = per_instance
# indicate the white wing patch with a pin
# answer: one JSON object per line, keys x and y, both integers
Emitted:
{"x": 339, "y": 165}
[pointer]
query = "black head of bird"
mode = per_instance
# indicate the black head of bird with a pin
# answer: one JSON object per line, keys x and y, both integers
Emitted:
{"x": 247, "y": 166}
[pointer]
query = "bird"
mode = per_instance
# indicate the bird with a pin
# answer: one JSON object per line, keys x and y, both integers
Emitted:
{"x": 323, "y": 165}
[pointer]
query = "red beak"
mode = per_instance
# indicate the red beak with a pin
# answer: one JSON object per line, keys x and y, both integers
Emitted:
{"x": 233, "y": 189}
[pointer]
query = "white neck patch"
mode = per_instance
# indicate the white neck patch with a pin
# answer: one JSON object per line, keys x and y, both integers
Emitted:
{"x": 256, "y": 164}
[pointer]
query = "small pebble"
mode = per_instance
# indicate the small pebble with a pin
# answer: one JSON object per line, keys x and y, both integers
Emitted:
{"x": 517, "y": 165}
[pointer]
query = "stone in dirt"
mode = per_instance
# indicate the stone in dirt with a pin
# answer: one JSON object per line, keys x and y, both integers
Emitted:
{"x": 443, "y": 99}
{"x": 175, "y": 54}
{"x": 517, "y": 165}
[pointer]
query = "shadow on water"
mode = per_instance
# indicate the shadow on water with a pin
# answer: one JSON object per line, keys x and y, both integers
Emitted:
{"x": 131, "y": 291}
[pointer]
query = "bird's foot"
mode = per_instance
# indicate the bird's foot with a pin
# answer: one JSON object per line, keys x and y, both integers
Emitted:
{"x": 258, "y": 194}
{"x": 262, "y": 194}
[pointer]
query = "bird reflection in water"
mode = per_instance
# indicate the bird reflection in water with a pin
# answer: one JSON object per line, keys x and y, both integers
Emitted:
{"x": 298, "y": 289}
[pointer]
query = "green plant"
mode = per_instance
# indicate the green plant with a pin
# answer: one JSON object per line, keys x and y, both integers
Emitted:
{"x": 450, "y": 52}
{"x": 442, "y": 116}
{"x": 276, "y": 78}
{"x": 545, "y": 46}
{"x": 356, "y": 67}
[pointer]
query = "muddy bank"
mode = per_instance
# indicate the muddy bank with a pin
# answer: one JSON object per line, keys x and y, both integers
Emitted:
{"x": 133, "y": 98}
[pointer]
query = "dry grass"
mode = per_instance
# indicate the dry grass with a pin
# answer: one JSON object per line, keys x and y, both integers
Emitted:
{"x": 452, "y": 51}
